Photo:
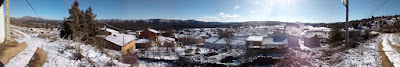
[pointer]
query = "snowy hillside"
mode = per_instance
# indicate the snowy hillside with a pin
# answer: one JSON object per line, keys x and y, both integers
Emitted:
{"x": 62, "y": 52}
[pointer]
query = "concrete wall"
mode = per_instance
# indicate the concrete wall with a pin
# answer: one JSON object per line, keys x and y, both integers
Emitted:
{"x": 2, "y": 25}
{"x": 129, "y": 48}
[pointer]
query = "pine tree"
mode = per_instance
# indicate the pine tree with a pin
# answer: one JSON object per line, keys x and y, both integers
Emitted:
{"x": 80, "y": 25}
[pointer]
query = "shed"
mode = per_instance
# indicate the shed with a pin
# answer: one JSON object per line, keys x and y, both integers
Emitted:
{"x": 123, "y": 42}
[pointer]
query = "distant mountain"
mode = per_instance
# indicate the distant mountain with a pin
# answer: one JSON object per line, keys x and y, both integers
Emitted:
{"x": 162, "y": 24}
{"x": 35, "y": 20}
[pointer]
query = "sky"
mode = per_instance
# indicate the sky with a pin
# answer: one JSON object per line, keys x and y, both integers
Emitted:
{"x": 310, "y": 11}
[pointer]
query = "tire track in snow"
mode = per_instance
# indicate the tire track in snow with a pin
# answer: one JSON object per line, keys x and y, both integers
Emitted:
{"x": 23, "y": 58}
{"x": 392, "y": 54}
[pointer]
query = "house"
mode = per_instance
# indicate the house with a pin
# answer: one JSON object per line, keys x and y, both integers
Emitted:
{"x": 219, "y": 43}
{"x": 215, "y": 43}
{"x": 254, "y": 40}
{"x": 275, "y": 41}
{"x": 123, "y": 42}
{"x": 150, "y": 34}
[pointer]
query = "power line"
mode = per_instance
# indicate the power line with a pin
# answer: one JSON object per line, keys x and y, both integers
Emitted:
{"x": 373, "y": 7}
{"x": 32, "y": 8}
{"x": 378, "y": 7}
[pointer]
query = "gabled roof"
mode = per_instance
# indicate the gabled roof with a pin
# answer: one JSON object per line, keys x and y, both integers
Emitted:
{"x": 154, "y": 31}
{"x": 119, "y": 38}
{"x": 111, "y": 30}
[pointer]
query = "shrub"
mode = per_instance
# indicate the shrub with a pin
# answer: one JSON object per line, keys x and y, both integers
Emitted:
{"x": 335, "y": 35}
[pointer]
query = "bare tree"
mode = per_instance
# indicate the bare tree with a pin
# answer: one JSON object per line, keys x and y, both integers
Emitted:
{"x": 227, "y": 35}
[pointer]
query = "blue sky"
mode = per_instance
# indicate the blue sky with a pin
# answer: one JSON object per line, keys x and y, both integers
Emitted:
{"x": 212, "y": 10}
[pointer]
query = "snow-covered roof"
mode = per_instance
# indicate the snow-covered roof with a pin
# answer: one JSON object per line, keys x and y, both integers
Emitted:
{"x": 154, "y": 31}
{"x": 238, "y": 42}
{"x": 270, "y": 41}
{"x": 255, "y": 38}
{"x": 111, "y": 30}
{"x": 211, "y": 39}
{"x": 166, "y": 39}
{"x": 119, "y": 38}
{"x": 220, "y": 41}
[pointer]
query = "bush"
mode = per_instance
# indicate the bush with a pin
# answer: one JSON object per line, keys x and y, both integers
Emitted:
{"x": 335, "y": 35}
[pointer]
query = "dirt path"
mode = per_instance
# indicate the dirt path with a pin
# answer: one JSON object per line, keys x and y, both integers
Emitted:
{"x": 38, "y": 58}
{"x": 23, "y": 57}
{"x": 9, "y": 50}
{"x": 385, "y": 62}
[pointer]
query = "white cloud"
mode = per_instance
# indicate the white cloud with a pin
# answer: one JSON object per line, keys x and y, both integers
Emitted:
{"x": 209, "y": 17}
{"x": 221, "y": 13}
{"x": 253, "y": 11}
{"x": 236, "y": 7}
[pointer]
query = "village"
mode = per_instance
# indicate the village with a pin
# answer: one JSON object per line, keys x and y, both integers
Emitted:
{"x": 204, "y": 33}
{"x": 206, "y": 46}
{"x": 245, "y": 45}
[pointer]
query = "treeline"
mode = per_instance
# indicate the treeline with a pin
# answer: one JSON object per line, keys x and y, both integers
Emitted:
{"x": 380, "y": 21}
{"x": 162, "y": 24}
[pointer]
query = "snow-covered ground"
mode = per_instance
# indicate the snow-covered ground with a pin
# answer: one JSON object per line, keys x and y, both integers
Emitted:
{"x": 24, "y": 56}
{"x": 57, "y": 52}
{"x": 390, "y": 52}
{"x": 366, "y": 55}
{"x": 159, "y": 53}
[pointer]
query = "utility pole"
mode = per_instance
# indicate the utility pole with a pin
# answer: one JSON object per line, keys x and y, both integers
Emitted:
{"x": 346, "y": 4}
{"x": 8, "y": 20}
